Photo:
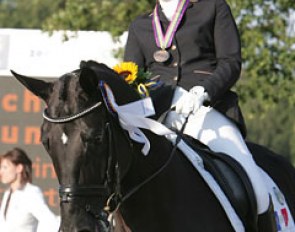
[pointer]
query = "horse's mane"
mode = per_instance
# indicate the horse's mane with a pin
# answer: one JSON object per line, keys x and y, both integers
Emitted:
{"x": 63, "y": 93}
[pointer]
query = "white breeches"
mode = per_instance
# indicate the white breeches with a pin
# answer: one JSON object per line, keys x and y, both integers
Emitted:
{"x": 221, "y": 135}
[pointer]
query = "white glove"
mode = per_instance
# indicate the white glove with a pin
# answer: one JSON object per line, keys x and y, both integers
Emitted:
{"x": 192, "y": 101}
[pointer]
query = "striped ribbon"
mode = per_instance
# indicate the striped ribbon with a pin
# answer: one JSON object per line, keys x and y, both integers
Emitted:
{"x": 165, "y": 41}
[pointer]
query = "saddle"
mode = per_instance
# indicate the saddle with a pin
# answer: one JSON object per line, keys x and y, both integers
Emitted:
{"x": 227, "y": 172}
{"x": 232, "y": 179}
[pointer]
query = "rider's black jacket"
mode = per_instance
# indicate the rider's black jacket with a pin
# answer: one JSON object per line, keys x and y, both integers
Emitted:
{"x": 205, "y": 51}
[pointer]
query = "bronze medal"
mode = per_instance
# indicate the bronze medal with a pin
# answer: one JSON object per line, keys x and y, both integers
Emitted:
{"x": 164, "y": 41}
{"x": 161, "y": 56}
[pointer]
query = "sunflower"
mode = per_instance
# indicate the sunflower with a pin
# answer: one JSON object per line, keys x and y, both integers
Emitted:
{"x": 128, "y": 70}
{"x": 136, "y": 77}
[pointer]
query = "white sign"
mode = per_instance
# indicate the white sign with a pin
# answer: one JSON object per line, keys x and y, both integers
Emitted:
{"x": 35, "y": 53}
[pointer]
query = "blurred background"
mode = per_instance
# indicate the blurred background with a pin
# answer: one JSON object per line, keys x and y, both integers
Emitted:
{"x": 45, "y": 39}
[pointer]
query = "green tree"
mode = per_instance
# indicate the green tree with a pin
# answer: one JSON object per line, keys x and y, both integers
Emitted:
{"x": 103, "y": 15}
{"x": 267, "y": 82}
{"x": 27, "y": 13}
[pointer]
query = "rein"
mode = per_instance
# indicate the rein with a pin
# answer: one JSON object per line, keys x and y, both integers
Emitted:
{"x": 116, "y": 199}
{"x": 156, "y": 173}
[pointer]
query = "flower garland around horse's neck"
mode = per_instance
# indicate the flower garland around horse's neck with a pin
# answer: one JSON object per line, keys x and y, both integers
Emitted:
{"x": 136, "y": 77}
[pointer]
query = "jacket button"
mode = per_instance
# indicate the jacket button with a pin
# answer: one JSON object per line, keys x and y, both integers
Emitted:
{"x": 175, "y": 64}
{"x": 173, "y": 47}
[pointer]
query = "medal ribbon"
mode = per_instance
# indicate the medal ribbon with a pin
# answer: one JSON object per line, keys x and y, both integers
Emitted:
{"x": 164, "y": 41}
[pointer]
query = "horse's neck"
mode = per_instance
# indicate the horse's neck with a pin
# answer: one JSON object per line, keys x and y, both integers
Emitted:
{"x": 175, "y": 188}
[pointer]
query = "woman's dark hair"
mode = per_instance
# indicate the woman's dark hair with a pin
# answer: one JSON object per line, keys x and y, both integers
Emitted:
{"x": 18, "y": 156}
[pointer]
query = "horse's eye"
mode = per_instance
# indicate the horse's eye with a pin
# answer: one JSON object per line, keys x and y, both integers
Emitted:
{"x": 98, "y": 138}
{"x": 92, "y": 139}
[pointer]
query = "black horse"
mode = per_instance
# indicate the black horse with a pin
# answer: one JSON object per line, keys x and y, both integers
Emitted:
{"x": 101, "y": 170}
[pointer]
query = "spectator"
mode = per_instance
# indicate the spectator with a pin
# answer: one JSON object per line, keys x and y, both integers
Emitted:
{"x": 23, "y": 208}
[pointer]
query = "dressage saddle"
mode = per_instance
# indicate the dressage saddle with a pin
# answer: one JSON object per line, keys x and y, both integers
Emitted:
{"x": 232, "y": 179}
{"x": 228, "y": 173}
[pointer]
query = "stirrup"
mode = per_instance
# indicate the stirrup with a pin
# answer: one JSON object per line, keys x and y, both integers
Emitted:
{"x": 266, "y": 221}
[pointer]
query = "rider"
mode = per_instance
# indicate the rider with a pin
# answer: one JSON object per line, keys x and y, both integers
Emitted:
{"x": 195, "y": 46}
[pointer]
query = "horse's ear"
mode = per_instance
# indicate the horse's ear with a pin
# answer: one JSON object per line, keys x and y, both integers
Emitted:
{"x": 88, "y": 80}
{"x": 40, "y": 88}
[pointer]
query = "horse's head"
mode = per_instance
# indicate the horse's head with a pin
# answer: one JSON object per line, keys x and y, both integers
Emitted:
{"x": 76, "y": 133}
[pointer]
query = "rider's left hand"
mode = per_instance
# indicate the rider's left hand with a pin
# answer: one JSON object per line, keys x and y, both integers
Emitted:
{"x": 192, "y": 101}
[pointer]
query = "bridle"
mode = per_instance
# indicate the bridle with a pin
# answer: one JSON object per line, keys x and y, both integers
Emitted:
{"x": 68, "y": 193}
{"x": 114, "y": 199}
